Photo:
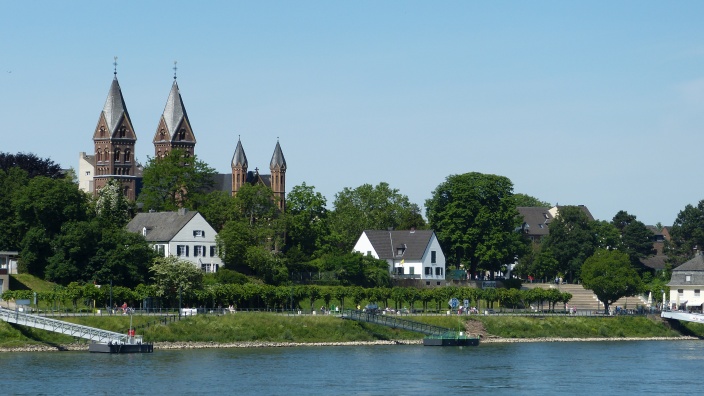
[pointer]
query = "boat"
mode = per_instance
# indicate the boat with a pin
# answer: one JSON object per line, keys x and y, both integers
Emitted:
{"x": 451, "y": 338}
{"x": 133, "y": 344}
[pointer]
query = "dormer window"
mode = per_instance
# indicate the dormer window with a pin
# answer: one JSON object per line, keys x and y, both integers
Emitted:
{"x": 400, "y": 250}
{"x": 688, "y": 278}
{"x": 144, "y": 231}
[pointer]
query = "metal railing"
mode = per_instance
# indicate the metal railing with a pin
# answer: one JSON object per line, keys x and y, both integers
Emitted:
{"x": 59, "y": 326}
{"x": 393, "y": 322}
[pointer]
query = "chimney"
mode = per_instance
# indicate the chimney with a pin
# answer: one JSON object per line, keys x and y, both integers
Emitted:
{"x": 182, "y": 211}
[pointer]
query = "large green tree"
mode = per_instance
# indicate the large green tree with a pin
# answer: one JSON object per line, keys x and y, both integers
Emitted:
{"x": 174, "y": 181}
{"x": 255, "y": 221}
{"x": 33, "y": 165}
{"x": 687, "y": 233}
{"x": 530, "y": 201}
{"x": 609, "y": 274}
{"x": 306, "y": 219}
{"x": 370, "y": 207}
{"x": 474, "y": 217}
{"x": 572, "y": 240}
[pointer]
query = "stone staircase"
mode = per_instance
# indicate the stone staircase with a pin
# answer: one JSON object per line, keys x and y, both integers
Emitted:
{"x": 584, "y": 299}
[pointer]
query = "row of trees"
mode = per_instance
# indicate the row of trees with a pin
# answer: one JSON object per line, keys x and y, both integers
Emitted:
{"x": 261, "y": 296}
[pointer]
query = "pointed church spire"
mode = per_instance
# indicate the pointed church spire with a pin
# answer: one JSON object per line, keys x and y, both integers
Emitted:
{"x": 278, "y": 160}
{"x": 174, "y": 130}
{"x": 115, "y": 109}
{"x": 239, "y": 159}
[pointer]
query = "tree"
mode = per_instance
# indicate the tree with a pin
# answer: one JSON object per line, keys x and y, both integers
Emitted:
{"x": 172, "y": 276}
{"x": 306, "y": 217}
{"x": 112, "y": 207}
{"x": 174, "y": 181}
{"x": 475, "y": 218}
{"x": 608, "y": 273}
{"x": 529, "y": 201}
{"x": 370, "y": 207}
{"x": 687, "y": 233}
{"x": 571, "y": 240}
{"x": 33, "y": 165}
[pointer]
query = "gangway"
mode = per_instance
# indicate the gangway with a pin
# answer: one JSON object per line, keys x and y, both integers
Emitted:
{"x": 59, "y": 326}
{"x": 393, "y": 322}
{"x": 685, "y": 316}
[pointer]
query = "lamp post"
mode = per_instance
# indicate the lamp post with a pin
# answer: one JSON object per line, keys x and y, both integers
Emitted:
{"x": 110, "y": 308}
{"x": 179, "y": 301}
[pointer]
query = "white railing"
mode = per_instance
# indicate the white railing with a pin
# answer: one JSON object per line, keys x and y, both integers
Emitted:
{"x": 59, "y": 326}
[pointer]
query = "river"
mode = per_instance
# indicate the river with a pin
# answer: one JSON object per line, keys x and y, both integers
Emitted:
{"x": 608, "y": 367}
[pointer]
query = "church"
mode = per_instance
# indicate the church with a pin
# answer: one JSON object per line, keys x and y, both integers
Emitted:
{"x": 114, "y": 141}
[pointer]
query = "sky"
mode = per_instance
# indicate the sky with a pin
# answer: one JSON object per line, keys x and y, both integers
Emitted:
{"x": 595, "y": 103}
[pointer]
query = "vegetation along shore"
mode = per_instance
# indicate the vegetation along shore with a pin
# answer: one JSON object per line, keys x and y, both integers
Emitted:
{"x": 250, "y": 330}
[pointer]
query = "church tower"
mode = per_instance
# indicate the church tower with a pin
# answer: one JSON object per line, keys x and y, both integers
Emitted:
{"x": 174, "y": 130}
{"x": 114, "y": 139}
{"x": 277, "y": 166}
{"x": 239, "y": 168}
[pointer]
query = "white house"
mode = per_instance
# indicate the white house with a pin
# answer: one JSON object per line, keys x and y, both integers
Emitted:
{"x": 411, "y": 254}
{"x": 8, "y": 265}
{"x": 184, "y": 234}
{"x": 687, "y": 283}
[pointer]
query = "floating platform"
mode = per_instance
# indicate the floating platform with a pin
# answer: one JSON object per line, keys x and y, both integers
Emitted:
{"x": 451, "y": 339}
{"x": 97, "y": 347}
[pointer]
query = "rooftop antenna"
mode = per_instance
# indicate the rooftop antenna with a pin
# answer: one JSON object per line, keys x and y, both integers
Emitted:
{"x": 175, "y": 68}
{"x": 115, "y": 65}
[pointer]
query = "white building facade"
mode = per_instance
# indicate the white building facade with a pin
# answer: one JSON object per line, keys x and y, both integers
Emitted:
{"x": 411, "y": 254}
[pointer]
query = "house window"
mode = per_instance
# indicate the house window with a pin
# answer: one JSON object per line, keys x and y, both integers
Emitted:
{"x": 696, "y": 292}
{"x": 199, "y": 233}
{"x": 198, "y": 251}
{"x": 411, "y": 270}
{"x": 212, "y": 251}
{"x": 428, "y": 271}
{"x": 680, "y": 292}
{"x": 688, "y": 278}
{"x": 161, "y": 249}
{"x": 369, "y": 252}
{"x": 182, "y": 250}
{"x": 438, "y": 271}
{"x": 433, "y": 257}
{"x": 399, "y": 270}
{"x": 427, "y": 283}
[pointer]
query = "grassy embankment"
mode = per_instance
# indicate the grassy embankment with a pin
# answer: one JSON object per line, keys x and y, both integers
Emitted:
{"x": 244, "y": 327}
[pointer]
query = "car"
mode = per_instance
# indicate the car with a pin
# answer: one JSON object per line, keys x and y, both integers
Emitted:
{"x": 489, "y": 311}
{"x": 371, "y": 307}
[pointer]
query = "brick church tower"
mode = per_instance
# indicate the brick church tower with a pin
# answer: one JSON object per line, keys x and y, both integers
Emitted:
{"x": 277, "y": 166}
{"x": 174, "y": 130}
{"x": 114, "y": 139}
{"x": 276, "y": 180}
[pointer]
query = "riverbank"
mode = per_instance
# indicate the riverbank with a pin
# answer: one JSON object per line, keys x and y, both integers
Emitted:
{"x": 253, "y": 330}
{"x": 83, "y": 347}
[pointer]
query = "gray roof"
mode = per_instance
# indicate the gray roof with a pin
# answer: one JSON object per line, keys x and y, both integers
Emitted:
{"x": 222, "y": 182}
{"x": 115, "y": 107}
{"x": 161, "y": 226}
{"x": 278, "y": 160}
{"x": 695, "y": 264}
{"x": 239, "y": 159}
{"x": 175, "y": 111}
{"x": 694, "y": 268}
{"x": 656, "y": 262}
{"x": 535, "y": 220}
{"x": 387, "y": 243}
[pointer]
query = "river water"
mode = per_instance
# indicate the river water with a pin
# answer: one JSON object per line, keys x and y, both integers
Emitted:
{"x": 609, "y": 367}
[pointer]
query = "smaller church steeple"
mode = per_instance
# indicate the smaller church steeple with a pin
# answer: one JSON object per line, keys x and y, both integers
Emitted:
{"x": 239, "y": 167}
{"x": 277, "y": 166}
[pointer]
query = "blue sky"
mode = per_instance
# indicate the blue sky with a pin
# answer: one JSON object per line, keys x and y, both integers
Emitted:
{"x": 595, "y": 103}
